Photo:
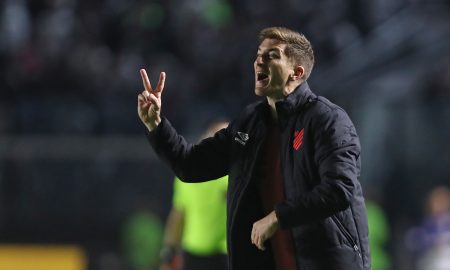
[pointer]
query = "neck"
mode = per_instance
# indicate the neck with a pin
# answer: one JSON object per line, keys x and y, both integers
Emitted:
{"x": 291, "y": 87}
{"x": 273, "y": 109}
{"x": 274, "y": 99}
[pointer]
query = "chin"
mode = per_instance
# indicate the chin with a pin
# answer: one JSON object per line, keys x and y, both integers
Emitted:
{"x": 260, "y": 92}
{"x": 261, "y": 89}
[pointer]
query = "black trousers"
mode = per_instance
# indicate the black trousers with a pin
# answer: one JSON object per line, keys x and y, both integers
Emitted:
{"x": 211, "y": 262}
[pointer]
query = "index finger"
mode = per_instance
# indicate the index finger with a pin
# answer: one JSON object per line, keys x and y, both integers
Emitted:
{"x": 146, "y": 81}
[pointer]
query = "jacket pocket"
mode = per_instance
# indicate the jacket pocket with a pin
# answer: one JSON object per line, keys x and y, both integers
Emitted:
{"x": 347, "y": 236}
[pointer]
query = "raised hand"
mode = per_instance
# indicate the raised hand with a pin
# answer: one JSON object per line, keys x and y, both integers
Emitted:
{"x": 149, "y": 101}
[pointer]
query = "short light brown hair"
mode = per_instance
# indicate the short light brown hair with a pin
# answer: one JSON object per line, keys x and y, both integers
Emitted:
{"x": 298, "y": 47}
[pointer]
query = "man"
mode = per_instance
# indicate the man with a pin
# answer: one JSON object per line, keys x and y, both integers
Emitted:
{"x": 293, "y": 162}
{"x": 197, "y": 222}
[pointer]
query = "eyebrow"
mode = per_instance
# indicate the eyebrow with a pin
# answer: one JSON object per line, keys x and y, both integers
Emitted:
{"x": 278, "y": 50}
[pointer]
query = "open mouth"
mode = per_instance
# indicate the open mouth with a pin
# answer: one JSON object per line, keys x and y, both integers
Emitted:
{"x": 262, "y": 78}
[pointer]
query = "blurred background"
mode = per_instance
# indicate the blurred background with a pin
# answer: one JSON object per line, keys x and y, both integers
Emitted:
{"x": 79, "y": 181}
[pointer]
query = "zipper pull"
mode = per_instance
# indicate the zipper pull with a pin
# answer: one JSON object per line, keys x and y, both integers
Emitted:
{"x": 355, "y": 247}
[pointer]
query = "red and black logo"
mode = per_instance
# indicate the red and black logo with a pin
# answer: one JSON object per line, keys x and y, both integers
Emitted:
{"x": 298, "y": 139}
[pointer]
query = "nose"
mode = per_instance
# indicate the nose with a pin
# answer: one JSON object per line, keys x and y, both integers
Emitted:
{"x": 259, "y": 60}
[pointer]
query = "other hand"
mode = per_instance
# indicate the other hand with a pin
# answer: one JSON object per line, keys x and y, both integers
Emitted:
{"x": 263, "y": 229}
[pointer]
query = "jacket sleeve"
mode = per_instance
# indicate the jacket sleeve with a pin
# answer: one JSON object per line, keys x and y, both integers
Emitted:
{"x": 200, "y": 162}
{"x": 336, "y": 155}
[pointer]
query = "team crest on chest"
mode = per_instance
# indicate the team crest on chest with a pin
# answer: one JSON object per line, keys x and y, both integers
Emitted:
{"x": 298, "y": 139}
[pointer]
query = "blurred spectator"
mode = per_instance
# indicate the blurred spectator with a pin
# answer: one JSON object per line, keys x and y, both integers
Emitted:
{"x": 379, "y": 234}
{"x": 431, "y": 240}
{"x": 142, "y": 240}
{"x": 197, "y": 223}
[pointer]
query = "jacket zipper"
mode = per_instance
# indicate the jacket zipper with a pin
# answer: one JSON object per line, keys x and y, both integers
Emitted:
{"x": 347, "y": 235}
{"x": 238, "y": 199}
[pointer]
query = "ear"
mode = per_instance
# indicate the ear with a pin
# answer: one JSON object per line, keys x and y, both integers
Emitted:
{"x": 298, "y": 72}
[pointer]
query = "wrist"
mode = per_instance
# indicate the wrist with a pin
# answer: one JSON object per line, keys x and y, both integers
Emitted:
{"x": 151, "y": 125}
{"x": 274, "y": 219}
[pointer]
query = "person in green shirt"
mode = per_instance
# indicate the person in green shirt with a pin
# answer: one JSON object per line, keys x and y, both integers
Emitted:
{"x": 142, "y": 238}
{"x": 379, "y": 235}
{"x": 197, "y": 223}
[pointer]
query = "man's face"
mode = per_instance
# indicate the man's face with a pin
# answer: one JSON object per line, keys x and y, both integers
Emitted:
{"x": 272, "y": 69}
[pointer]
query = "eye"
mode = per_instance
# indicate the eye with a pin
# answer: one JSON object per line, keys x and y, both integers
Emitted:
{"x": 273, "y": 55}
{"x": 268, "y": 56}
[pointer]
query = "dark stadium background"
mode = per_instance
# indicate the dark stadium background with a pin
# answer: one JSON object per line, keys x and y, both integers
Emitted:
{"x": 74, "y": 162}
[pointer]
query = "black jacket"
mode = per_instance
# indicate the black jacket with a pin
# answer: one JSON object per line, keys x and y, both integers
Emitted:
{"x": 320, "y": 158}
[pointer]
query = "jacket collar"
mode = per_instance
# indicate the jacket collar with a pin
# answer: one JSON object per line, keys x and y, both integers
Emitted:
{"x": 295, "y": 100}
